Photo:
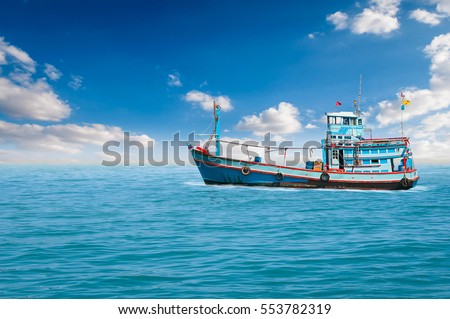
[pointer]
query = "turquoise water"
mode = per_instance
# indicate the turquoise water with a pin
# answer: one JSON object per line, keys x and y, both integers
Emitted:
{"x": 145, "y": 232}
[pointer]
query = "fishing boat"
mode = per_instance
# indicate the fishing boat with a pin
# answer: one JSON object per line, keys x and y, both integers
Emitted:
{"x": 349, "y": 160}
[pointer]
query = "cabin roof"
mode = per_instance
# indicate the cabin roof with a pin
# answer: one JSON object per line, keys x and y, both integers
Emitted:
{"x": 342, "y": 114}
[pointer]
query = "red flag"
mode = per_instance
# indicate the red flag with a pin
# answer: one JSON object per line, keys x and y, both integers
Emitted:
{"x": 338, "y": 103}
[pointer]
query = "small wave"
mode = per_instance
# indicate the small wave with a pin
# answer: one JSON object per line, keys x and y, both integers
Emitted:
{"x": 194, "y": 183}
{"x": 420, "y": 188}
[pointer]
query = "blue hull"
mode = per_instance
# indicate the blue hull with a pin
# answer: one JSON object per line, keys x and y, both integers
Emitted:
{"x": 219, "y": 170}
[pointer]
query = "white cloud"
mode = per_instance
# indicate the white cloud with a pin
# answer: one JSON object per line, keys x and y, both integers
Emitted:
{"x": 281, "y": 120}
{"x": 23, "y": 97}
{"x": 436, "y": 122}
{"x": 52, "y": 72}
{"x": 339, "y": 19}
{"x": 206, "y": 101}
{"x": 34, "y": 100}
{"x": 424, "y": 101}
{"x": 379, "y": 18}
{"x": 174, "y": 80}
{"x": 68, "y": 139}
{"x": 431, "y": 135}
{"x": 432, "y": 18}
{"x": 314, "y": 35}
{"x": 443, "y": 6}
{"x": 76, "y": 81}
{"x": 17, "y": 55}
{"x": 310, "y": 126}
{"x": 426, "y": 17}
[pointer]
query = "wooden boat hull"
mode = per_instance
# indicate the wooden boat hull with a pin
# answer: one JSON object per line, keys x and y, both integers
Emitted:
{"x": 220, "y": 170}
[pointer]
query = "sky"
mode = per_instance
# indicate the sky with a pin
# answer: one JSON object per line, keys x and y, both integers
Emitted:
{"x": 75, "y": 74}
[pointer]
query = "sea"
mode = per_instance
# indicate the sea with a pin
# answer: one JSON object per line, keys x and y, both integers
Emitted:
{"x": 159, "y": 232}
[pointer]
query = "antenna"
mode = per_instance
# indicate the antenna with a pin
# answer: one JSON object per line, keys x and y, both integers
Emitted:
{"x": 358, "y": 109}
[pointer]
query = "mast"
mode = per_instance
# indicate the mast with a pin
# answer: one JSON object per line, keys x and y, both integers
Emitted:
{"x": 217, "y": 127}
{"x": 358, "y": 108}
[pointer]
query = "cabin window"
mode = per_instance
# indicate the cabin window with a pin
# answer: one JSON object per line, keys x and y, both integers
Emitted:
{"x": 365, "y": 151}
{"x": 346, "y": 121}
{"x": 337, "y": 120}
{"x": 352, "y": 121}
{"x": 359, "y": 121}
{"x": 366, "y": 162}
{"x": 335, "y": 154}
{"x": 383, "y": 151}
{"x": 330, "y": 120}
{"x": 373, "y": 151}
{"x": 375, "y": 161}
{"x": 391, "y": 150}
{"x": 340, "y": 137}
{"x": 347, "y": 137}
{"x": 383, "y": 161}
{"x": 333, "y": 136}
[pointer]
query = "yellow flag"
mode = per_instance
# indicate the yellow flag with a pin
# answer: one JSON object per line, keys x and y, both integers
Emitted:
{"x": 406, "y": 102}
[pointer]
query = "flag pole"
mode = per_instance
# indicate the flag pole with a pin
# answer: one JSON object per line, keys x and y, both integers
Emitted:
{"x": 402, "y": 109}
{"x": 358, "y": 110}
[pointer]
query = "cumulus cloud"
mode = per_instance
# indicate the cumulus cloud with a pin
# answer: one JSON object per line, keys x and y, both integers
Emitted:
{"x": 68, "y": 138}
{"x": 339, "y": 19}
{"x": 35, "y": 100}
{"x": 52, "y": 72}
{"x": 76, "y": 81}
{"x": 283, "y": 119}
{"x": 174, "y": 80}
{"x": 431, "y": 135}
{"x": 424, "y": 101}
{"x": 23, "y": 97}
{"x": 380, "y": 18}
{"x": 206, "y": 101}
{"x": 443, "y": 6}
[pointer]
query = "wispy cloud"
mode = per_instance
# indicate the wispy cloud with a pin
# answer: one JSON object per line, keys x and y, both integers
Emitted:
{"x": 52, "y": 72}
{"x": 310, "y": 126}
{"x": 206, "y": 101}
{"x": 58, "y": 143}
{"x": 283, "y": 119}
{"x": 314, "y": 35}
{"x": 15, "y": 55}
{"x": 174, "y": 80}
{"x": 76, "y": 82}
{"x": 432, "y": 18}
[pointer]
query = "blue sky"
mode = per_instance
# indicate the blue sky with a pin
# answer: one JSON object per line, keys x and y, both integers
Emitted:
{"x": 77, "y": 73}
